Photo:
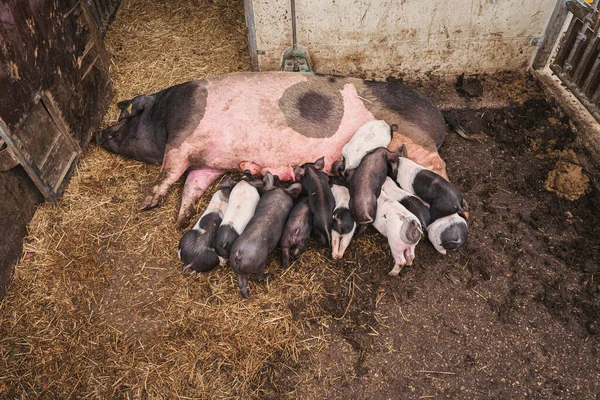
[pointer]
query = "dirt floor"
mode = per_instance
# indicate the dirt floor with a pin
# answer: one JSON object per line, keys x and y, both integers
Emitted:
{"x": 98, "y": 307}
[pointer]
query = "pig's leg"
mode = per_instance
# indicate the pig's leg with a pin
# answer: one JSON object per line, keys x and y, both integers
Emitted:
{"x": 195, "y": 184}
{"x": 396, "y": 270}
{"x": 172, "y": 169}
{"x": 285, "y": 257}
{"x": 243, "y": 285}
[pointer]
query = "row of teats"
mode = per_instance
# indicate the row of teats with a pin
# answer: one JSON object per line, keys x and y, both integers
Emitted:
{"x": 246, "y": 219}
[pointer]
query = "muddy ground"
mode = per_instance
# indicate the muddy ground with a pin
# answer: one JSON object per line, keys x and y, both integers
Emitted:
{"x": 515, "y": 313}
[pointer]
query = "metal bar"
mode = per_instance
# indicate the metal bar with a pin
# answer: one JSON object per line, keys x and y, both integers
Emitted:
{"x": 564, "y": 48}
{"x": 294, "y": 39}
{"x": 588, "y": 80}
{"x": 586, "y": 58}
{"x": 581, "y": 37}
{"x": 557, "y": 21}
{"x": 596, "y": 95}
{"x": 576, "y": 91}
{"x": 251, "y": 33}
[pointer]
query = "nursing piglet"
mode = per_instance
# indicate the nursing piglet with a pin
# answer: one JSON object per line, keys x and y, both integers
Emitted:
{"x": 402, "y": 229}
{"x": 250, "y": 251}
{"x": 366, "y": 181}
{"x": 320, "y": 199}
{"x": 242, "y": 202}
{"x": 412, "y": 203}
{"x": 442, "y": 196}
{"x": 368, "y": 137}
{"x": 196, "y": 248}
{"x": 296, "y": 232}
{"x": 448, "y": 233}
{"x": 343, "y": 224}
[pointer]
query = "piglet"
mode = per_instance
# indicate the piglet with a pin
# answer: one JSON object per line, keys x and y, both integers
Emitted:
{"x": 343, "y": 224}
{"x": 320, "y": 199}
{"x": 296, "y": 232}
{"x": 242, "y": 202}
{"x": 368, "y": 137}
{"x": 365, "y": 183}
{"x": 250, "y": 251}
{"x": 412, "y": 203}
{"x": 448, "y": 233}
{"x": 196, "y": 245}
{"x": 442, "y": 196}
{"x": 402, "y": 229}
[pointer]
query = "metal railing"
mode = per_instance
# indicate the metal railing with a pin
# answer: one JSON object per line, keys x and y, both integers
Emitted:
{"x": 577, "y": 61}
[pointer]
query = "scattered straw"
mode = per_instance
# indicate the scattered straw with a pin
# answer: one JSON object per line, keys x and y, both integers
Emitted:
{"x": 97, "y": 306}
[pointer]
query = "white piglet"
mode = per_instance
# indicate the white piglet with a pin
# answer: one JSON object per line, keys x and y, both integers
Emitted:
{"x": 242, "y": 203}
{"x": 343, "y": 224}
{"x": 402, "y": 229}
{"x": 368, "y": 137}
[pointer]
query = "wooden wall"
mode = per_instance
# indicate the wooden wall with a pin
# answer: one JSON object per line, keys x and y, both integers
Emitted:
{"x": 45, "y": 45}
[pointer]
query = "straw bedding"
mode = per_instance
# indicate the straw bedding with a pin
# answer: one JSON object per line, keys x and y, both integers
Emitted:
{"x": 97, "y": 306}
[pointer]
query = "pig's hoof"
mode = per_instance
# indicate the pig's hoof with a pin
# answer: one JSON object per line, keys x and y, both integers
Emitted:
{"x": 244, "y": 293}
{"x": 188, "y": 271}
{"x": 264, "y": 277}
{"x": 183, "y": 221}
{"x": 151, "y": 202}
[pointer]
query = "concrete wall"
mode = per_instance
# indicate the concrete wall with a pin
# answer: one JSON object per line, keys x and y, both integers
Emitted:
{"x": 372, "y": 38}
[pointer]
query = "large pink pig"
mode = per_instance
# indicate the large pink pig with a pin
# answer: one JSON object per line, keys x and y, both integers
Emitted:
{"x": 264, "y": 121}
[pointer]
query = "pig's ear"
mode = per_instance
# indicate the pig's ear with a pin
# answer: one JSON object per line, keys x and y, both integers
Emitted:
{"x": 394, "y": 162}
{"x": 299, "y": 172}
{"x": 403, "y": 152}
{"x": 320, "y": 163}
{"x": 338, "y": 167}
{"x": 227, "y": 183}
{"x": 413, "y": 232}
{"x": 123, "y": 104}
{"x": 464, "y": 212}
{"x": 268, "y": 182}
{"x": 258, "y": 184}
{"x": 293, "y": 190}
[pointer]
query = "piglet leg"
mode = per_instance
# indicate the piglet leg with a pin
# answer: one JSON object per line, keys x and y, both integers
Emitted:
{"x": 285, "y": 257}
{"x": 396, "y": 270}
{"x": 197, "y": 181}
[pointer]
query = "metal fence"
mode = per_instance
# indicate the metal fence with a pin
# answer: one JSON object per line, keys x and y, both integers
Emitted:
{"x": 577, "y": 61}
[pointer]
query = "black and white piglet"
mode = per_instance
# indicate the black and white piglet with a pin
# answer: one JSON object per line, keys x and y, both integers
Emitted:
{"x": 251, "y": 249}
{"x": 448, "y": 233}
{"x": 296, "y": 232}
{"x": 366, "y": 181}
{"x": 320, "y": 199}
{"x": 410, "y": 202}
{"x": 196, "y": 247}
{"x": 442, "y": 196}
{"x": 343, "y": 224}
{"x": 368, "y": 137}
{"x": 243, "y": 199}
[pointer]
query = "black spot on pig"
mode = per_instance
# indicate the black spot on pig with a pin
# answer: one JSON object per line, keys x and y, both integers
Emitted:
{"x": 150, "y": 123}
{"x": 314, "y": 107}
{"x": 454, "y": 236}
{"x": 226, "y": 236}
{"x": 443, "y": 197}
{"x": 418, "y": 209}
{"x": 343, "y": 222}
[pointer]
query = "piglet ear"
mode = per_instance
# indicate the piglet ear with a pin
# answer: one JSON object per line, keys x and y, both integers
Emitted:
{"x": 403, "y": 152}
{"x": 258, "y": 184}
{"x": 227, "y": 183}
{"x": 394, "y": 161}
{"x": 413, "y": 232}
{"x": 299, "y": 172}
{"x": 293, "y": 190}
{"x": 123, "y": 104}
{"x": 320, "y": 163}
{"x": 268, "y": 182}
{"x": 338, "y": 167}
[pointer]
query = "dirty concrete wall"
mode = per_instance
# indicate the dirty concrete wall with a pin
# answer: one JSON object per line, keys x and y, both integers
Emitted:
{"x": 372, "y": 38}
{"x": 44, "y": 45}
